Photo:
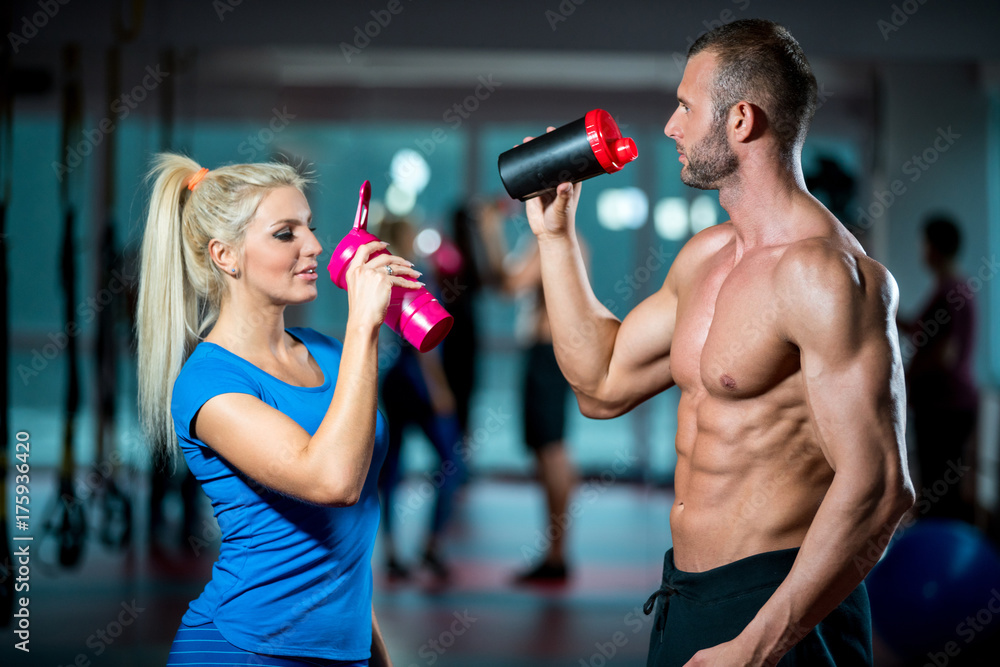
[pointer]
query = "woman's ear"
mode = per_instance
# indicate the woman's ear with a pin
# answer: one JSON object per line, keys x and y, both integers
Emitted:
{"x": 223, "y": 256}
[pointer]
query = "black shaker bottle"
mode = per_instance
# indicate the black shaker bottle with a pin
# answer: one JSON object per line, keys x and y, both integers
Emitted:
{"x": 587, "y": 147}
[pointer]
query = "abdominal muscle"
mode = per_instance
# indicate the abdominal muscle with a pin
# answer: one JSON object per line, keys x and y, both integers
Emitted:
{"x": 749, "y": 478}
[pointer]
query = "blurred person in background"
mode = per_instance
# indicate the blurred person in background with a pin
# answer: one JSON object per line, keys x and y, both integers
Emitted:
{"x": 544, "y": 390}
{"x": 940, "y": 342}
{"x": 415, "y": 392}
{"x": 460, "y": 279}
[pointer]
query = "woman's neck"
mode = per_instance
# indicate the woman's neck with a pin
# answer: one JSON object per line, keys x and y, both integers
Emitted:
{"x": 250, "y": 331}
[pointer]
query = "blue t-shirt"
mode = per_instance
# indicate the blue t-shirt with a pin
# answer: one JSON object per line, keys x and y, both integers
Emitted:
{"x": 292, "y": 578}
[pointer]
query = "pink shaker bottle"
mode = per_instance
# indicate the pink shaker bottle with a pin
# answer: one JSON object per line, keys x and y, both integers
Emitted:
{"x": 413, "y": 313}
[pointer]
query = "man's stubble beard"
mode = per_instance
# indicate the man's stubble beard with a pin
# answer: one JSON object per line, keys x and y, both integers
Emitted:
{"x": 710, "y": 162}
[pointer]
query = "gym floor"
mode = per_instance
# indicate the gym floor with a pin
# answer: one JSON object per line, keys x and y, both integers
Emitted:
{"x": 120, "y": 609}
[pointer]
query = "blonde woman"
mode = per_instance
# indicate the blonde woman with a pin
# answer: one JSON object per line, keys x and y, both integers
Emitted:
{"x": 279, "y": 425}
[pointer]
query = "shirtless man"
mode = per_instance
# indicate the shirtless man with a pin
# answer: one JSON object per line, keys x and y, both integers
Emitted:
{"x": 779, "y": 332}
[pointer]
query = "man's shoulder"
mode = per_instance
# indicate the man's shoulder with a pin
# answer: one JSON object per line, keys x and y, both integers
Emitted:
{"x": 704, "y": 245}
{"x": 711, "y": 239}
{"x": 831, "y": 265}
{"x": 829, "y": 283}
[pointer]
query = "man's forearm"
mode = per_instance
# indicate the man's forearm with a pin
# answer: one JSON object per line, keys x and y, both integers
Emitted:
{"x": 843, "y": 543}
{"x": 583, "y": 330}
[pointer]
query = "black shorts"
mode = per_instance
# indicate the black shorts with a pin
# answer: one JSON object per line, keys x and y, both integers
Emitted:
{"x": 545, "y": 391}
{"x": 700, "y": 610}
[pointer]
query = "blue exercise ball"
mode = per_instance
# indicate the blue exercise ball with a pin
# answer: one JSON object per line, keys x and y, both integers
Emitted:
{"x": 938, "y": 583}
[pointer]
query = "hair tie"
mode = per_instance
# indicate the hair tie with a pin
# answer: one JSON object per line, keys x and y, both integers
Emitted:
{"x": 196, "y": 179}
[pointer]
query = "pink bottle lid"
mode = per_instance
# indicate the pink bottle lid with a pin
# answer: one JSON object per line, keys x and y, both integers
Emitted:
{"x": 414, "y": 314}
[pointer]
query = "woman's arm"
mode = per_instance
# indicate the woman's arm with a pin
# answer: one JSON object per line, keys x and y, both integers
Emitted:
{"x": 329, "y": 467}
{"x": 380, "y": 654}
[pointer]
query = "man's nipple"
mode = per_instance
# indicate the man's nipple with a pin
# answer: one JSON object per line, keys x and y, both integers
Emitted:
{"x": 727, "y": 381}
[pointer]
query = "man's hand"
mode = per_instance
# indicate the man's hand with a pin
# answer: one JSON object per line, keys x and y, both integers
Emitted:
{"x": 553, "y": 213}
{"x": 731, "y": 654}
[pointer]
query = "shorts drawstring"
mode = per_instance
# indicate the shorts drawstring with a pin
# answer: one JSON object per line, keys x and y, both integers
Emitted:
{"x": 661, "y": 621}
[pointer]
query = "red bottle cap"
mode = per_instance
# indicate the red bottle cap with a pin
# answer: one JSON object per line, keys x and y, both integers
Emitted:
{"x": 611, "y": 149}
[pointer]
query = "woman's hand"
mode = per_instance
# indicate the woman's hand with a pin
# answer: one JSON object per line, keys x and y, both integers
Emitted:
{"x": 370, "y": 282}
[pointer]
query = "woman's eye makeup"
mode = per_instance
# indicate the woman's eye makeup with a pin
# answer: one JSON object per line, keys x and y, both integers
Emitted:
{"x": 286, "y": 234}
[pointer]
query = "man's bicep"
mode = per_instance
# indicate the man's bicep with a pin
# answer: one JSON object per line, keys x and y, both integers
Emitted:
{"x": 853, "y": 376}
{"x": 855, "y": 391}
{"x": 640, "y": 363}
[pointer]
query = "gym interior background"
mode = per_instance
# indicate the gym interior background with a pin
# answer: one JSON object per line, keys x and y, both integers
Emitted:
{"x": 420, "y": 98}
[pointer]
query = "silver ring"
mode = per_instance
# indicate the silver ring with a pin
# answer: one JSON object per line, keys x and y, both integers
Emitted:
{"x": 388, "y": 269}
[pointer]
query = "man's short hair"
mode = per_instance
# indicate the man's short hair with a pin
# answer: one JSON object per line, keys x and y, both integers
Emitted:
{"x": 759, "y": 61}
{"x": 943, "y": 235}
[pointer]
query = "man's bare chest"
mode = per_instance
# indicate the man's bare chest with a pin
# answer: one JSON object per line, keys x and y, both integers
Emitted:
{"x": 728, "y": 338}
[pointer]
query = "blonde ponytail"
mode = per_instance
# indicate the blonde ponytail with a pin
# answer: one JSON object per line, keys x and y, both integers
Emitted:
{"x": 180, "y": 287}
